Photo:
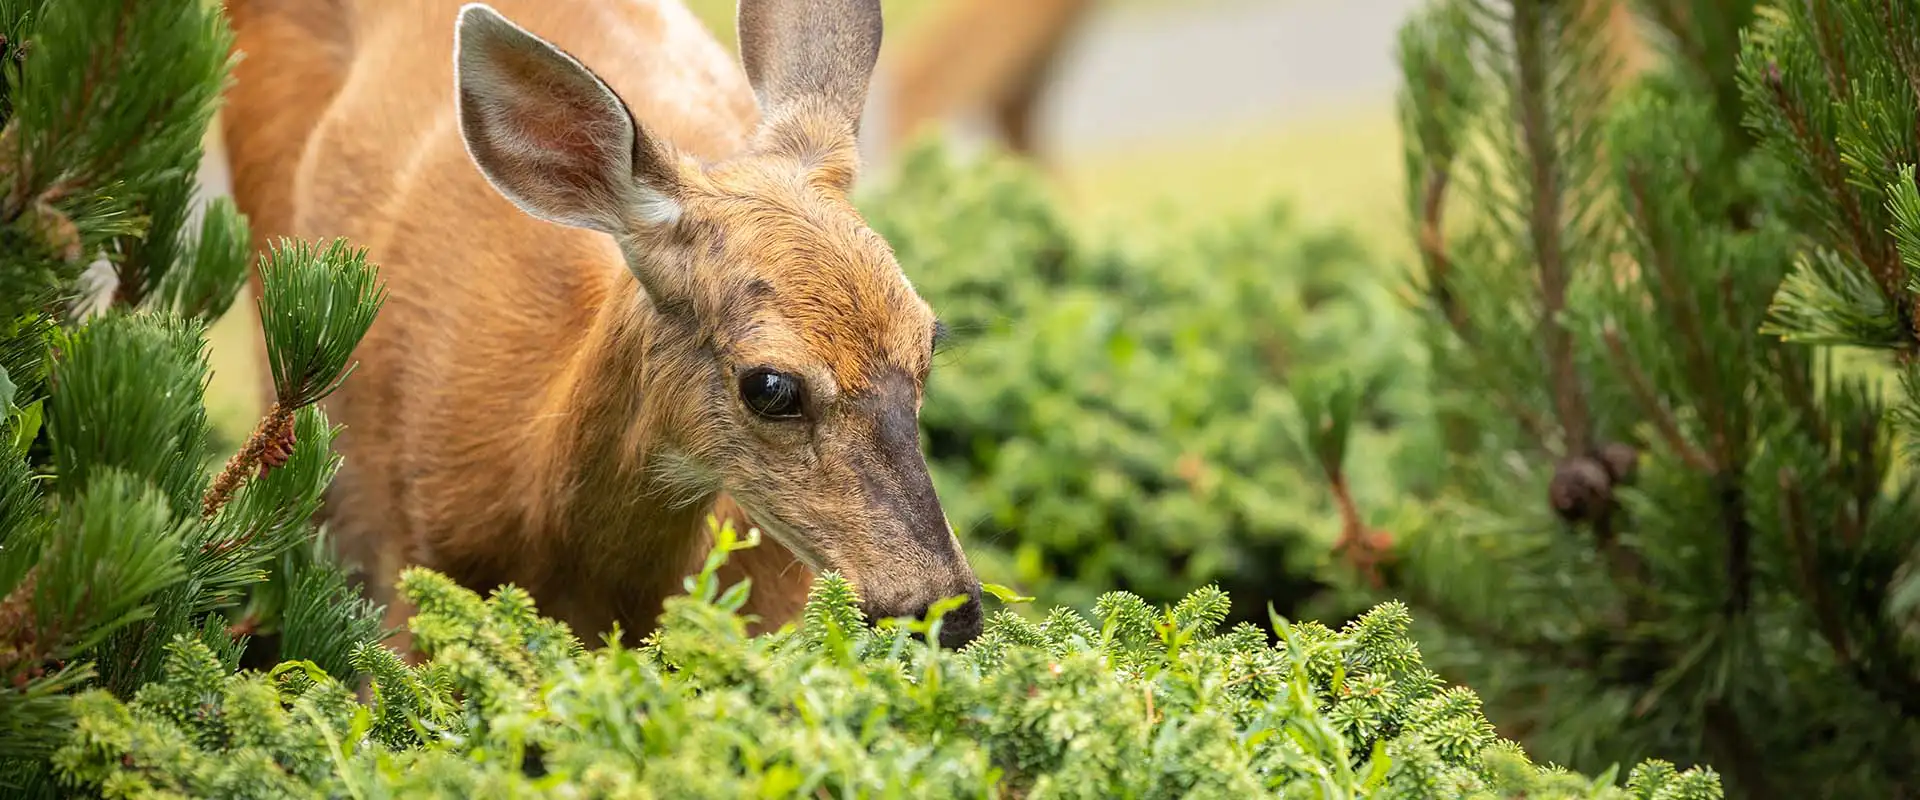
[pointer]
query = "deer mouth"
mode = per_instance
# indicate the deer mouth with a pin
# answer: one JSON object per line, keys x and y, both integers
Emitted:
{"x": 789, "y": 536}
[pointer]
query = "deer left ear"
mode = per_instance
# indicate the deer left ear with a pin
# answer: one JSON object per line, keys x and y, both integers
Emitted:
{"x": 551, "y": 136}
{"x": 810, "y": 63}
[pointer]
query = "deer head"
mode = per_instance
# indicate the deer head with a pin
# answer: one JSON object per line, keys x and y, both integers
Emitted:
{"x": 785, "y": 352}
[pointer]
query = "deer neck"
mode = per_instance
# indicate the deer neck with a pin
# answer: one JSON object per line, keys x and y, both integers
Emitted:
{"x": 614, "y": 489}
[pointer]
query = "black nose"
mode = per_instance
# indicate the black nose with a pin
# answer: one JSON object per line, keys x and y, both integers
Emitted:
{"x": 961, "y": 625}
{"x": 957, "y": 627}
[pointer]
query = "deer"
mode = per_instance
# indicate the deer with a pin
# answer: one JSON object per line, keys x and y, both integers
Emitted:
{"x": 990, "y": 57}
{"x": 628, "y": 292}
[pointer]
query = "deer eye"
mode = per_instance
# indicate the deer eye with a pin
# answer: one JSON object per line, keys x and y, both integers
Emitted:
{"x": 774, "y": 395}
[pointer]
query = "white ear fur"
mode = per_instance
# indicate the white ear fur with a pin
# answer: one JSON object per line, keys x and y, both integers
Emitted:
{"x": 552, "y": 137}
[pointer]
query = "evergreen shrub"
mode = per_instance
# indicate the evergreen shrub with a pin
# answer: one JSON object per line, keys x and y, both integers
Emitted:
{"x": 1128, "y": 702}
{"x": 1677, "y": 520}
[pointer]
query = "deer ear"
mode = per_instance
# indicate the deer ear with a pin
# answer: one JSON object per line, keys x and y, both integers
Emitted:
{"x": 810, "y": 63}
{"x": 550, "y": 135}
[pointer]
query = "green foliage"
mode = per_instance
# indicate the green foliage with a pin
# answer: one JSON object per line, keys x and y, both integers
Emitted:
{"x": 103, "y": 141}
{"x": 1831, "y": 94}
{"x": 125, "y": 393}
{"x": 318, "y": 613}
{"x": 1117, "y": 414}
{"x": 1665, "y": 533}
{"x": 1134, "y": 702}
{"x": 314, "y": 308}
{"x": 221, "y": 253}
{"x": 109, "y": 551}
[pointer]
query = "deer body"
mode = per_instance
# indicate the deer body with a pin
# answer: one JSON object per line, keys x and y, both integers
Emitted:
{"x": 593, "y": 303}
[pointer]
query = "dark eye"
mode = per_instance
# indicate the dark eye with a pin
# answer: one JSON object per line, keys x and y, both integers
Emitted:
{"x": 774, "y": 395}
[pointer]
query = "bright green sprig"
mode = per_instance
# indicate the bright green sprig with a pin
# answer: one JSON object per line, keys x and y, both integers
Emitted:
{"x": 314, "y": 308}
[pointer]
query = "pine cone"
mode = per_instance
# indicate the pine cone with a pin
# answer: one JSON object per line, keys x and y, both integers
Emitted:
{"x": 1621, "y": 460}
{"x": 1581, "y": 489}
{"x": 279, "y": 448}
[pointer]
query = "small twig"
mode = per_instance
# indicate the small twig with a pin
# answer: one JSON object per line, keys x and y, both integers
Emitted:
{"x": 131, "y": 287}
{"x": 1544, "y": 223}
{"x": 1733, "y": 513}
{"x": 1793, "y": 516}
{"x": 1363, "y": 547}
{"x": 262, "y": 447}
{"x": 1725, "y": 735}
{"x": 1662, "y": 417}
{"x": 1433, "y": 249}
{"x": 1686, "y": 317}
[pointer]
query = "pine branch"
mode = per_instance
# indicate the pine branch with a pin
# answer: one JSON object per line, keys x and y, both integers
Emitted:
{"x": 1660, "y": 263}
{"x": 1441, "y": 95}
{"x": 111, "y": 550}
{"x": 269, "y": 516}
{"x": 1327, "y": 408}
{"x": 1885, "y": 672}
{"x": 114, "y": 92}
{"x": 1826, "y": 160}
{"x": 1438, "y": 93}
{"x": 1530, "y": 35}
{"x": 20, "y": 503}
{"x": 142, "y": 261}
{"x": 126, "y": 392}
{"x": 1830, "y": 93}
{"x": 314, "y": 308}
{"x": 35, "y": 715}
{"x": 326, "y": 619}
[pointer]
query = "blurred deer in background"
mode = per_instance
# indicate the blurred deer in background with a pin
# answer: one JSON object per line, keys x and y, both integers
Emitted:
{"x": 987, "y": 56}
{"x": 627, "y": 291}
{"x": 996, "y": 57}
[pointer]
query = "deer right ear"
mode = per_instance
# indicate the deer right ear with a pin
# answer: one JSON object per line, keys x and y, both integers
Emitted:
{"x": 551, "y": 136}
{"x": 809, "y": 63}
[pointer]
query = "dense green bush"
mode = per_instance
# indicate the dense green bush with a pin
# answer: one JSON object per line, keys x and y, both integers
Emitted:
{"x": 1666, "y": 532}
{"x": 1120, "y": 414}
{"x": 1128, "y": 703}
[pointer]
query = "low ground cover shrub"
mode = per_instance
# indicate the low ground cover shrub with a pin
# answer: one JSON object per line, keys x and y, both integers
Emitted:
{"x": 1128, "y": 702}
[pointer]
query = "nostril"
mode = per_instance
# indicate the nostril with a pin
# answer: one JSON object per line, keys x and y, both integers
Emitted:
{"x": 958, "y": 626}
{"x": 961, "y": 625}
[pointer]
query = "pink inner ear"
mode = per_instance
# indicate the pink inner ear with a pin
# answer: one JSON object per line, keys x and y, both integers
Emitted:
{"x": 564, "y": 116}
{"x": 553, "y": 136}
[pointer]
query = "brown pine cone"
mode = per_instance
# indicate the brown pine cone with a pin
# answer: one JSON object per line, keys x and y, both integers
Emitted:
{"x": 1581, "y": 489}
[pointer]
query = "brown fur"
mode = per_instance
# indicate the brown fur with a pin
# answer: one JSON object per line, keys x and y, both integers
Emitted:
{"x": 555, "y": 407}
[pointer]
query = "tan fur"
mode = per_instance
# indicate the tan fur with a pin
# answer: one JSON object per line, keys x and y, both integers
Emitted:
{"x": 526, "y": 409}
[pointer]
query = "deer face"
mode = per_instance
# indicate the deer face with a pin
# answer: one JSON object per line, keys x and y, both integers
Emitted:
{"x": 791, "y": 352}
